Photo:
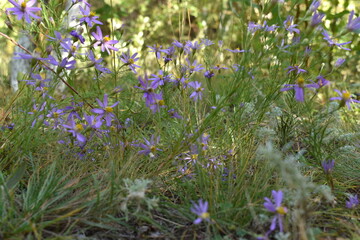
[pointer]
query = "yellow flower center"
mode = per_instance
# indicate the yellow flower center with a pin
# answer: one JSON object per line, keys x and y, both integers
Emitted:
{"x": 45, "y": 88}
{"x": 79, "y": 127}
{"x": 346, "y": 95}
{"x": 205, "y": 215}
{"x": 281, "y": 210}
{"x": 301, "y": 81}
{"x": 56, "y": 115}
{"x": 113, "y": 128}
{"x": 161, "y": 102}
{"x": 131, "y": 61}
{"x": 198, "y": 90}
{"x": 92, "y": 14}
{"x": 152, "y": 149}
{"x": 106, "y": 39}
{"x": 160, "y": 76}
{"x": 288, "y": 23}
{"x": 23, "y": 5}
{"x": 192, "y": 67}
{"x": 109, "y": 109}
{"x": 194, "y": 156}
{"x": 73, "y": 48}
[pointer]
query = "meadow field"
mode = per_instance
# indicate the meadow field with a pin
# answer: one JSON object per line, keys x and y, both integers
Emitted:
{"x": 180, "y": 119}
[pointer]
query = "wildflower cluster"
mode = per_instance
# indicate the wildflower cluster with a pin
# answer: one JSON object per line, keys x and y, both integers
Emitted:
{"x": 194, "y": 110}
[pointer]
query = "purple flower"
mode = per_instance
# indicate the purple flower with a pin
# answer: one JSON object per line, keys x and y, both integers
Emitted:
{"x": 237, "y": 50}
{"x": 277, "y": 208}
{"x": 314, "y": 6}
{"x": 104, "y": 42}
{"x": 299, "y": 88}
{"x": 92, "y": 121}
{"x": 54, "y": 115}
{"x": 156, "y": 49}
{"x": 295, "y": 68}
{"x": 316, "y": 19}
{"x": 24, "y": 56}
{"x": 24, "y": 9}
{"x": 206, "y": 42}
{"x": 204, "y": 141}
{"x": 219, "y": 67}
{"x": 289, "y": 26}
{"x": 193, "y": 67}
{"x": 345, "y": 98}
{"x": 307, "y": 51}
{"x": 353, "y": 201}
{"x": 148, "y": 88}
{"x": 268, "y": 28}
{"x": 105, "y": 111}
{"x": 38, "y": 82}
{"x": 180, "y": 80}
{"x": 197, "y": 94}
{"x": 252, "y": 27}
{"x": 282, "y": 47}
{"x": 36, "y": 110}
{"x": 158, "y": 102}
{"x": 332, "y": 43}
{"x": 328, "y": 165}
{"x": 73, "y": 110}
{"x": 209, "y": 74}
{"x": 169, "y": 54}
{"x": 160, "y": 79}
{"x": 201, "y": 210}
{"x": 353, "y": 25}
{"x": 97, "y": 62}
{"x": 150, "y": 147}
{"x": 130, "y": 60}
{"x": 89, "y": 17}
{"x": 178, "y": 44}
{"x": 339, "y": 62}
{"x": 77, "y": 35}
{"x": 76, "y": 130}
{"x": 59, "y": 39}
{"x": 71, "y": 48}
{"x": 65, "y": 63}
{"x": 81, "y": 1}
{"x": 174, "y": 114}
{"x": 322, "y": 82}
{"x": 8, "y": 126}
{"x": 194, "y": 46}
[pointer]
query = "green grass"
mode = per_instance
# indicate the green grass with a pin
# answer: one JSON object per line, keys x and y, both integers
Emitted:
{"x": 260, "y": 140}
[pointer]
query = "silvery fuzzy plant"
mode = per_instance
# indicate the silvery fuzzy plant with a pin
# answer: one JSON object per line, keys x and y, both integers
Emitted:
{"x": 300, "y": 188}
{"x": 136, "y": 195}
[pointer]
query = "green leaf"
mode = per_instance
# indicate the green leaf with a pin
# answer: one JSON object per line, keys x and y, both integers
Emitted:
{"x": 15, "y": 177}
